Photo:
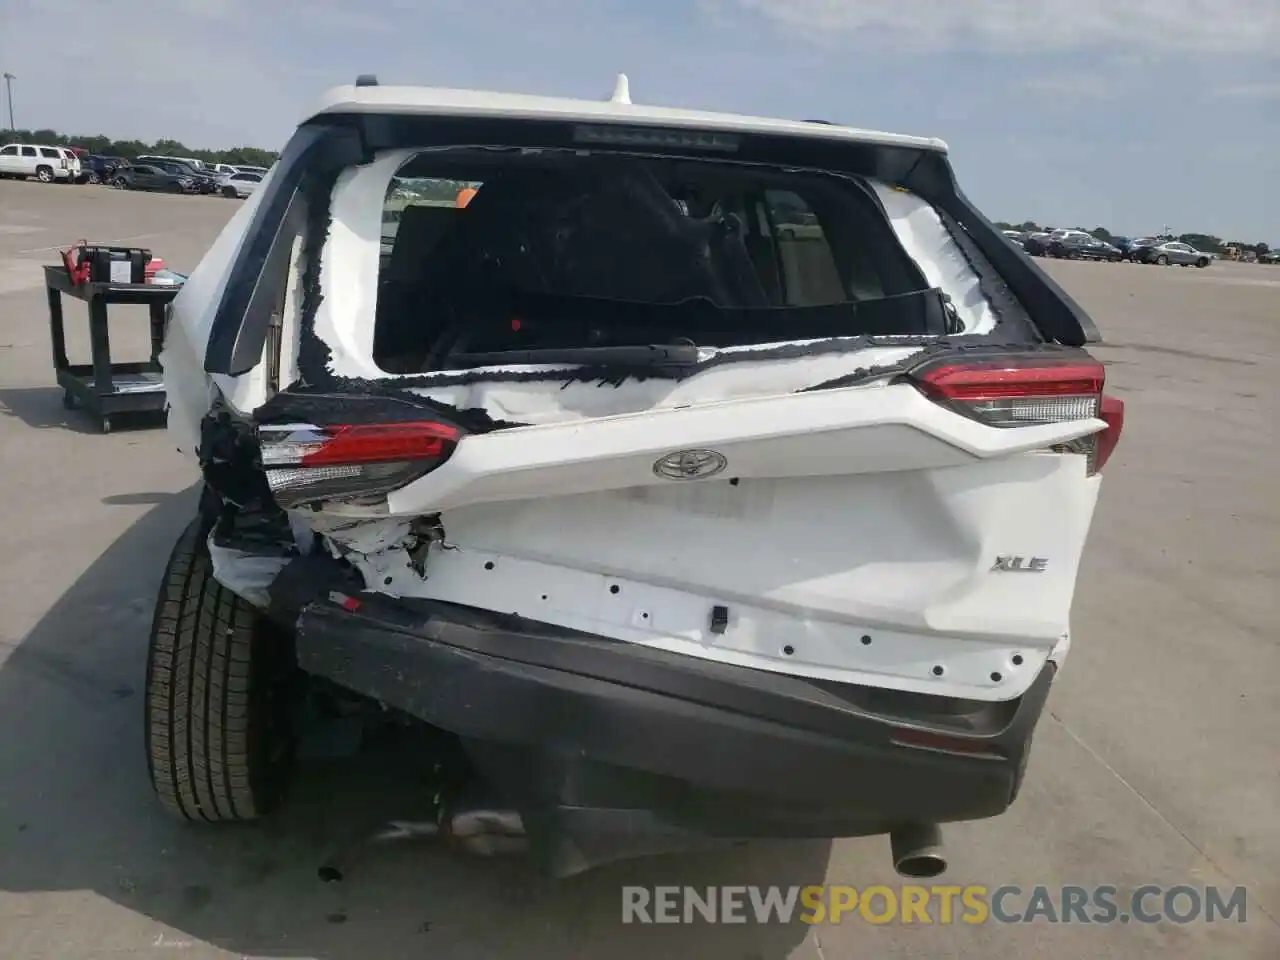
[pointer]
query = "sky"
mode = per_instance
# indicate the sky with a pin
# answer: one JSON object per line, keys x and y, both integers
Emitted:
{"x": 1128, "y": 114}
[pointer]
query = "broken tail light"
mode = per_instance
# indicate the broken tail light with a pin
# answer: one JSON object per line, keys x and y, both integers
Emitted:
{"x": 1017, "y": 391}
{"x": 359, "y": 463}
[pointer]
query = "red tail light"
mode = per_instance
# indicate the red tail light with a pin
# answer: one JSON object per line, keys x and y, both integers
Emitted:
{"x": 1112, "y": 411}
{"x": 1023, "y": 390}
{"x": 351, "y": 462}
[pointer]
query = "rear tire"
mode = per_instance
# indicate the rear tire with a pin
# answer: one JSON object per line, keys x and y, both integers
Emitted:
{"x": 1162, "y": 261}
{"x": 121, "y": 183}
{"x": 229, "y": 192}
{"x": 44, "y": 174}
{"x": 217, "y": 738}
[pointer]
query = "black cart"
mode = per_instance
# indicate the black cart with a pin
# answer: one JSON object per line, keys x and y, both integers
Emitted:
{"x": 102, "y": 387}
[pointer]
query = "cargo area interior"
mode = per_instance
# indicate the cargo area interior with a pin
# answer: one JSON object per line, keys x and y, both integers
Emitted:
{"x": 564, "y": 256}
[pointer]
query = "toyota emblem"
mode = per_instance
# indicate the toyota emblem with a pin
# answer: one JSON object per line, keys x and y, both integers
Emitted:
{"x": 690, "y": 465}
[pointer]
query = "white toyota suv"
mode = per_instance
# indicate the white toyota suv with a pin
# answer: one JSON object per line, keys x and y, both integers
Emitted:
{"x": 688, "y": 526}
{"x": 46, "y": 163}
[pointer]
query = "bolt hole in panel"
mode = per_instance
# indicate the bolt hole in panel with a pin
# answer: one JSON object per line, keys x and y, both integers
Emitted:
{"x": 672, "y": 619}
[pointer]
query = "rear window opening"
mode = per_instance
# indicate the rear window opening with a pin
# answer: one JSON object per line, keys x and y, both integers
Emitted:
{"x": 495, "y": 257}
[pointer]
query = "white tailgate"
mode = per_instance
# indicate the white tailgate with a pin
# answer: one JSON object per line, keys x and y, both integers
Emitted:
{"x": 857, "y": 547}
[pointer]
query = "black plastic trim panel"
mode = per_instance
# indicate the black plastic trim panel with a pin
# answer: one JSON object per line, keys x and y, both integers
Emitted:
{"x": 324, "y": 145}
{"x": 242, "y": 317}
{"x": 1054, "y": 312}
{"x": 629, "y": 712}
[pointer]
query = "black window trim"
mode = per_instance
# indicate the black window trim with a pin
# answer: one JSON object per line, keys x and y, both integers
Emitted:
{"x": 326, "y": 144}
{"x": 242, "y": 318}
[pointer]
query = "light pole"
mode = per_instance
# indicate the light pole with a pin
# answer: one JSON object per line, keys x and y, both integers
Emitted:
{"x": 8, "y": 89}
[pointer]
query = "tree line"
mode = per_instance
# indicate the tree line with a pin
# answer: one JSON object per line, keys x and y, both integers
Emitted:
{"x": 1201, "y": 241}
{"x": 257, "y": 157}
{"x": 132, "y": 149}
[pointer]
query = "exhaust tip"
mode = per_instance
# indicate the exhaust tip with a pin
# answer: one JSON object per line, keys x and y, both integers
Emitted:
{"x": 922, "y": 867}
{"x": 917, "y": 851}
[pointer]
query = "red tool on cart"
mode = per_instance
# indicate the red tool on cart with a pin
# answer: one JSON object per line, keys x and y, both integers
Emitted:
{"x": 98, "y": 263}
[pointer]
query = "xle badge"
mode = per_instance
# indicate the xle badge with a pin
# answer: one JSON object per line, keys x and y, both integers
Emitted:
{"x": 1020, "y": 565}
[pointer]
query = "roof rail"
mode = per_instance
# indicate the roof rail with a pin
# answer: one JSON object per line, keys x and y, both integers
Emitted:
{"x": 367, "y": 80}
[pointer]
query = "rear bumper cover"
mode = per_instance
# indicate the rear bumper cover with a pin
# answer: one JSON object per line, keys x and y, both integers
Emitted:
{"x": 608, "y": 744}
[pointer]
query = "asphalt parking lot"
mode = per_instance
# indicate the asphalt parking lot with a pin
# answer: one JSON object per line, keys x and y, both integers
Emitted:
{"x": 1159, "y": 762}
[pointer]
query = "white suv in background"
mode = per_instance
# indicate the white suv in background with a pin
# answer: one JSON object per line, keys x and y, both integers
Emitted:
{"x": 74, "y": 165}
{"x": 240, "y": 184}
{"x": 45, "y": 163}
{"x": 1066, "y": 234}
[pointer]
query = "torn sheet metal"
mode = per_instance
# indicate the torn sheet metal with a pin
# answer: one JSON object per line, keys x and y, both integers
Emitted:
{"x": 248, "y": 574}
{"x": 532, "y": 402}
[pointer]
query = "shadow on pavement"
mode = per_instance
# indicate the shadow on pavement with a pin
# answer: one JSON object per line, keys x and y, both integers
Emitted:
{"x": 76, "y": 813}
{"x": 42, "y": 408}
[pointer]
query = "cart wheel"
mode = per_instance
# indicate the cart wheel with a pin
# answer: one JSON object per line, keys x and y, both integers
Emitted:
{"x": 106, "y": 424}
{"x": 68, "y": 400}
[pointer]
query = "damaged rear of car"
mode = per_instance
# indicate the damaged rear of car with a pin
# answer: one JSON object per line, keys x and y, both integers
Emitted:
{"x": 707, "y": 478}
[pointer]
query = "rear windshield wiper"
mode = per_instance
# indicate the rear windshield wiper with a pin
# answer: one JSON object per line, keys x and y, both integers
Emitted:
{"x": 650, "y": 355}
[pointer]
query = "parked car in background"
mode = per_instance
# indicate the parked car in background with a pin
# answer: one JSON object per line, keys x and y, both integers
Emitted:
{"x": 100, "y": 169}
{"x": 791, "y": 222}
{"x": 1077, "y": 246}
{"x": 192, "y": 162}
{"x": 46, "y": 163}
{"x": 239, "y": 184}
{"x": 1064, "y": 234}
{"x": 1174, "y": 252}
{"x": 227, "y": 169}
{"x": 201, "y": 181}
{"x": 1132, "y": 249}
{"x": 1037, "y": 244}
{"x": 146, "y": 176}
{"x": 74, "y": 165}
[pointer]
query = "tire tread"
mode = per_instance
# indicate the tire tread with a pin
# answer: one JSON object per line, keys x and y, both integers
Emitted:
{"x": 199, "y": 720}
